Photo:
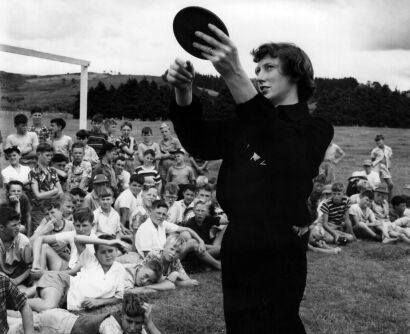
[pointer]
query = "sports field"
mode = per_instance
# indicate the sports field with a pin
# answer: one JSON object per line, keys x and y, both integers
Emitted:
{"x": 364, "y": 289}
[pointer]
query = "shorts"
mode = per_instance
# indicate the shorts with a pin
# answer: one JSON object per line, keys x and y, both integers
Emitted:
{"x": 384, "y": 172}
{"x": 57, "y": 280}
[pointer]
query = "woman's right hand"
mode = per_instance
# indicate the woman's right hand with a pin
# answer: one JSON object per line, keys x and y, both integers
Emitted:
{"x": 181, "y": 75}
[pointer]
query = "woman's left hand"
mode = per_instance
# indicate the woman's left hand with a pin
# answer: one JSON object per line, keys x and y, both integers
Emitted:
{"x": 223, "y": 53}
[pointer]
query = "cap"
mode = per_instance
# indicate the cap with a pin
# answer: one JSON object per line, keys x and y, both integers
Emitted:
{"x": 382, "y": 190}
{"x": 367, "y": 163}
{"x": 178, "y": 151}
{"x": 100, "y": 178}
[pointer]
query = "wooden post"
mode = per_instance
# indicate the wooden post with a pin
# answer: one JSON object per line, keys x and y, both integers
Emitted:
{"x": 83, "y": 97}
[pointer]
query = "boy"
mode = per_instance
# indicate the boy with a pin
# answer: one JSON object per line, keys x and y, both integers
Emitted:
{"x": 362, "y": 185}
{"x": 317, "y": 242}
{"x": 99, "y": 282}
{"x": 332, "y": 157}
{"x": 123, "y": 176}
{"x": 148, "y": 170}
{"x": 12, "y": 298}
{"x": 180, "y": 173}
{"x": 91, "y": 200}
{"x": 126, "y": 145}
{"x": 58, "y": 163}
{"x": 381, "y": 161}
{"x": 43, "y": 257}
{"x": 372, "y": 176}
{"x": 129, "y": 199}
{"x": 175, "y": 213}
{"x": 398, "y": 206}
{"x": 141, "y": 274}
{"x": 26, "y": 141}
{"x": 77, "y": 196}
{"x": 78, "y": 171}
{"x": 51, "y": 225}
{"x": 364, "y": 221}
{"x": 44, "y": 184}
{"x": 380, "y": 206}
{"x": 105, "y": 166}
{"x": 110, "y": 126}
{"x": 106, "y": 219}
{"x": 188, "y": 198}
{"x": 41, "y": 131}
{"x": 61, "y": 143}
{"x": 17, "y": 199}
{"x": 14, "y": 171}
{"x": 134, "y": 318}
{"x": 15, "y": 250}
{"x": 148, "y": 144}
{"x": 89, "y": 153}
{"x": 96, "y": 138}
{"x": 336, "y": 221}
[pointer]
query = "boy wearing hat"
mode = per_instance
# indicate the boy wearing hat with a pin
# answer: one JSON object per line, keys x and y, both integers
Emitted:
{"x": 180, "y": 173}
{"x": 381, "y": 160}
{"x": 91, "y": 200}
{"x": 105, "y": 166}
{"x": 372, "y": 176}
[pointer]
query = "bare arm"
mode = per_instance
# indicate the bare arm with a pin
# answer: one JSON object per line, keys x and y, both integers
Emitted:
{"x": 37, "y": 244}
{"x": 27, "y": 317}
{"x": 19, "y": 279}
{"x": 349, "y": 228}
{"x": 162, "y": 285}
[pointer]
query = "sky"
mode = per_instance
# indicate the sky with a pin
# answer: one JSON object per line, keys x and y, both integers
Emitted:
{"x": 365, "y": 39}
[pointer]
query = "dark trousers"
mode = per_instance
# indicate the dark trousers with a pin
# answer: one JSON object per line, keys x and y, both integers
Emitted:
{"x": 263, "y": 280}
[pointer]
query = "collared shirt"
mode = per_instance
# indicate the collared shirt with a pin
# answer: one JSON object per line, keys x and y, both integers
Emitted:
{"x": 106, "y": 224}
{"x": 43, "y": 133}
{"x": 111, "y": 326}
{"x": 76, "y": 172}
{"x": 15, "y": 259}
{"x": 62, "y": 145}
{"x": 20, "y": 174}
{"x": 93, "y": 282}
{"x": 91, "y": 201}
{"x": 11, "y": 298}
{"x": 381, "y": 156}
{"x": 104, "y": 168}
{"x": 129, "y": 142}
{"x": 90, "y": 155}
{"x": 127, "y": 200}
{"x": 150, "y": 236}
{"x": 29, "y": 140}
{"x": 46, "y": 179}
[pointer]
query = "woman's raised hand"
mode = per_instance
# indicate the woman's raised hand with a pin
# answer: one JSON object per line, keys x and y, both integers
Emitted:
{"x": 181, "y": 74}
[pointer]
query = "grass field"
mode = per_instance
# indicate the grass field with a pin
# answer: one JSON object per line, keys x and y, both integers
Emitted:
{"x": 365, "y": 289}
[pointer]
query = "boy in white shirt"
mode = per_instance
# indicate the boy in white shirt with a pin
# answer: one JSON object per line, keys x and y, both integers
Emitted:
{"x": 175, "y": 213}
{"x": 106, "y": 219}
{"x": 61, "y": 143}
{"x": 99, "y": 282}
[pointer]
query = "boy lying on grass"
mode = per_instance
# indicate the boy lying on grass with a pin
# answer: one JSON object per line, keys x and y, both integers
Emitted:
{"x": 99, "y": 282}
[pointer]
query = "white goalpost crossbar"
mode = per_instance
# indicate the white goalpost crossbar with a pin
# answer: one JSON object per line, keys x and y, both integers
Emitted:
{"x": 84, "y": 73}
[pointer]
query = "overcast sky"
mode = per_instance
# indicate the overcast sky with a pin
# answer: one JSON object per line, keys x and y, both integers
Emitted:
{"x": 366, "y": 39}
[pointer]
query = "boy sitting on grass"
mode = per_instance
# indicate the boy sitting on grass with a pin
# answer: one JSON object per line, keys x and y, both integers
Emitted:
{"x": 336, "y": 221}
{"x": 317, "y": 241}
{"x": 175, "y": 213}
{"x": 106, "y": 219}
{"x": 15, "y": 250}
{"x": 99, "y": 282}
{"x": 134, "y": 318}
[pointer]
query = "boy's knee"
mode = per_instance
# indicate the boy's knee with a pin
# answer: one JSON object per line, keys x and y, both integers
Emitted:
{"x": 186, "y": 235}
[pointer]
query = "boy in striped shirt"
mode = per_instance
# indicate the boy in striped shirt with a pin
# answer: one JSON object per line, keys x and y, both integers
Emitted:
{"x": 336, "y": 220}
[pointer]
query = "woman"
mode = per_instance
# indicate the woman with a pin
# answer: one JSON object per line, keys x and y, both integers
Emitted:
{"x": 15, "y": 171}
{"x": 167, "y": 145}
{"x": 271, "y": 151}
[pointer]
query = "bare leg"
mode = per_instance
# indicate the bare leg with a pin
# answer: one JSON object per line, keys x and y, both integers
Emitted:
{"x": 389, "y": 184}
{"x": 50, "y": 298}
{"x": 50, "y": 259}
{"x": 367, "y": 231}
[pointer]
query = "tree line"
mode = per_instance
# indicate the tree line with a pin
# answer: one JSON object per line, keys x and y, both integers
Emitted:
{"x": 342, "y": 101}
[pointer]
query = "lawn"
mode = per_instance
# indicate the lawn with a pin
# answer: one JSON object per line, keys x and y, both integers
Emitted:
{"x": 365, "y": 289}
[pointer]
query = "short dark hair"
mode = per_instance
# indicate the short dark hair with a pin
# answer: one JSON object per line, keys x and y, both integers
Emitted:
{"x": 44, "y": 147}
{"x": 7, "y": 214}
{"x": 337, "y": 186}
{"x": 132, "y": 305}
{"x": 104, "y": 237}
{"x": 149, "y": 151}
{"x": 378, "y": 137}
{"x": 120, "y": 157}
{"x": 207, "y": 187}
{"x": 59, "y": 122}
{"x": 97, "y": 118}
{"x": 190, "y": 187}
{"x": 52, "y": 204}
{"x": 397, "y": 200}
{"x": 367, "y": 193}
{"x": 78, "y": 191}
{"x": 126, "y": 124}
{"x": 172, "y": 188}
{"x": 58, "y": 157}
{"x": 107, "y": 147}
{"x": 139, "y": 178}
{"x": 295, "y": 63}
{"x": 77, "y": 145}
{"x": 82, "y": 134}
{"x": 35, "y": 110}
{"x": 155, "y": 265}
{"x": 20, "y": 119}
{"x": 146, "y": 130}
{"x": 159, "y": 203}
{"x": 83, "y": 214}
{"x": 14, "y": 182}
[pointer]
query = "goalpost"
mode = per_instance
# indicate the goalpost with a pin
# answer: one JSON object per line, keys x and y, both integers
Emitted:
{"x": 84, "y": 74}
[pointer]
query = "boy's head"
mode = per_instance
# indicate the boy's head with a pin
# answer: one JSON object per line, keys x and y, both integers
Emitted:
{"x": 363, "y": 185}
{"x": 367, "y": 166}
{"x": 119, "y": 164}
{"x": 108, "y": 151}
{"x": 366, "y": 198}
{"x": 59, "y": 161}
{"x": 78, "y": 152}
{"x": 77, "y": 195}
{"x": 380, "y": 195}
{"x": 146, "y": 134}
{"x": 44, "y": 153}
{"x": 149, "y": 157}
{"x": 326, "y": 191}
{"x": 67, "y": 205}
{"x": 20, "y": 123}
{"x": 159, "y": 212}
{"x": 149, "y": 273}
{"x": 149, "y": 195}
{"x": 106, "y": 198}
{"x": 96, "y": 122}
{"x": 379, "y": 139}
{"x": 165, "y": 131}
{"x": 13, "y": 154}
{"x": 57, "y": 125}
{"x": 173, "y": 247}
{"x": 14, "y": 188}
{"x": 201, "y": 180}
{"x": 317, "y": 233}
{"x": 179, "y": 156}
{"x": 398, "y": 203}
{"x": 105, "y": 255}
{"x": 189, "y": 194}
{"x": 9, "y": 222}
{"x": 136, "y": 183}
{"x": 126, "y": 129}
{"x": 132, "y": 316}
{"x": 171, "y": 193}
{"x": 100, "y": 182}
{"x": 201, "y": 211}
{"x": 337, "y": 192}
{"x": 110, "y": 125}
{"x": 205, "y": 193}
{"x": 53, "y": 209}
{"x": 82, "y": 136}
{"x": 83, "y": 221}
{"x": 36, "y": 115}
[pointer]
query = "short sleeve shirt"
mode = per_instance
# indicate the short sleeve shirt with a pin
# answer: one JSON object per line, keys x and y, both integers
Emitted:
{"x": 21, "y": 174}
{"x": 62, "y": 145}
{"x": 125, "y": 141}
{"x": 46, "y": 180}
{"x": 174, "y": 266}
{"x": 106, "y": 224}
{"x": 365, "y": 216}
{"x": 29, "y": 140}
{"x": 336, "y": 212}
{"x": 203, "y": 229}
{"x": 76, "y": 172}
{"x": 42, "y": 133}
{"x": 16, "y": 258}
